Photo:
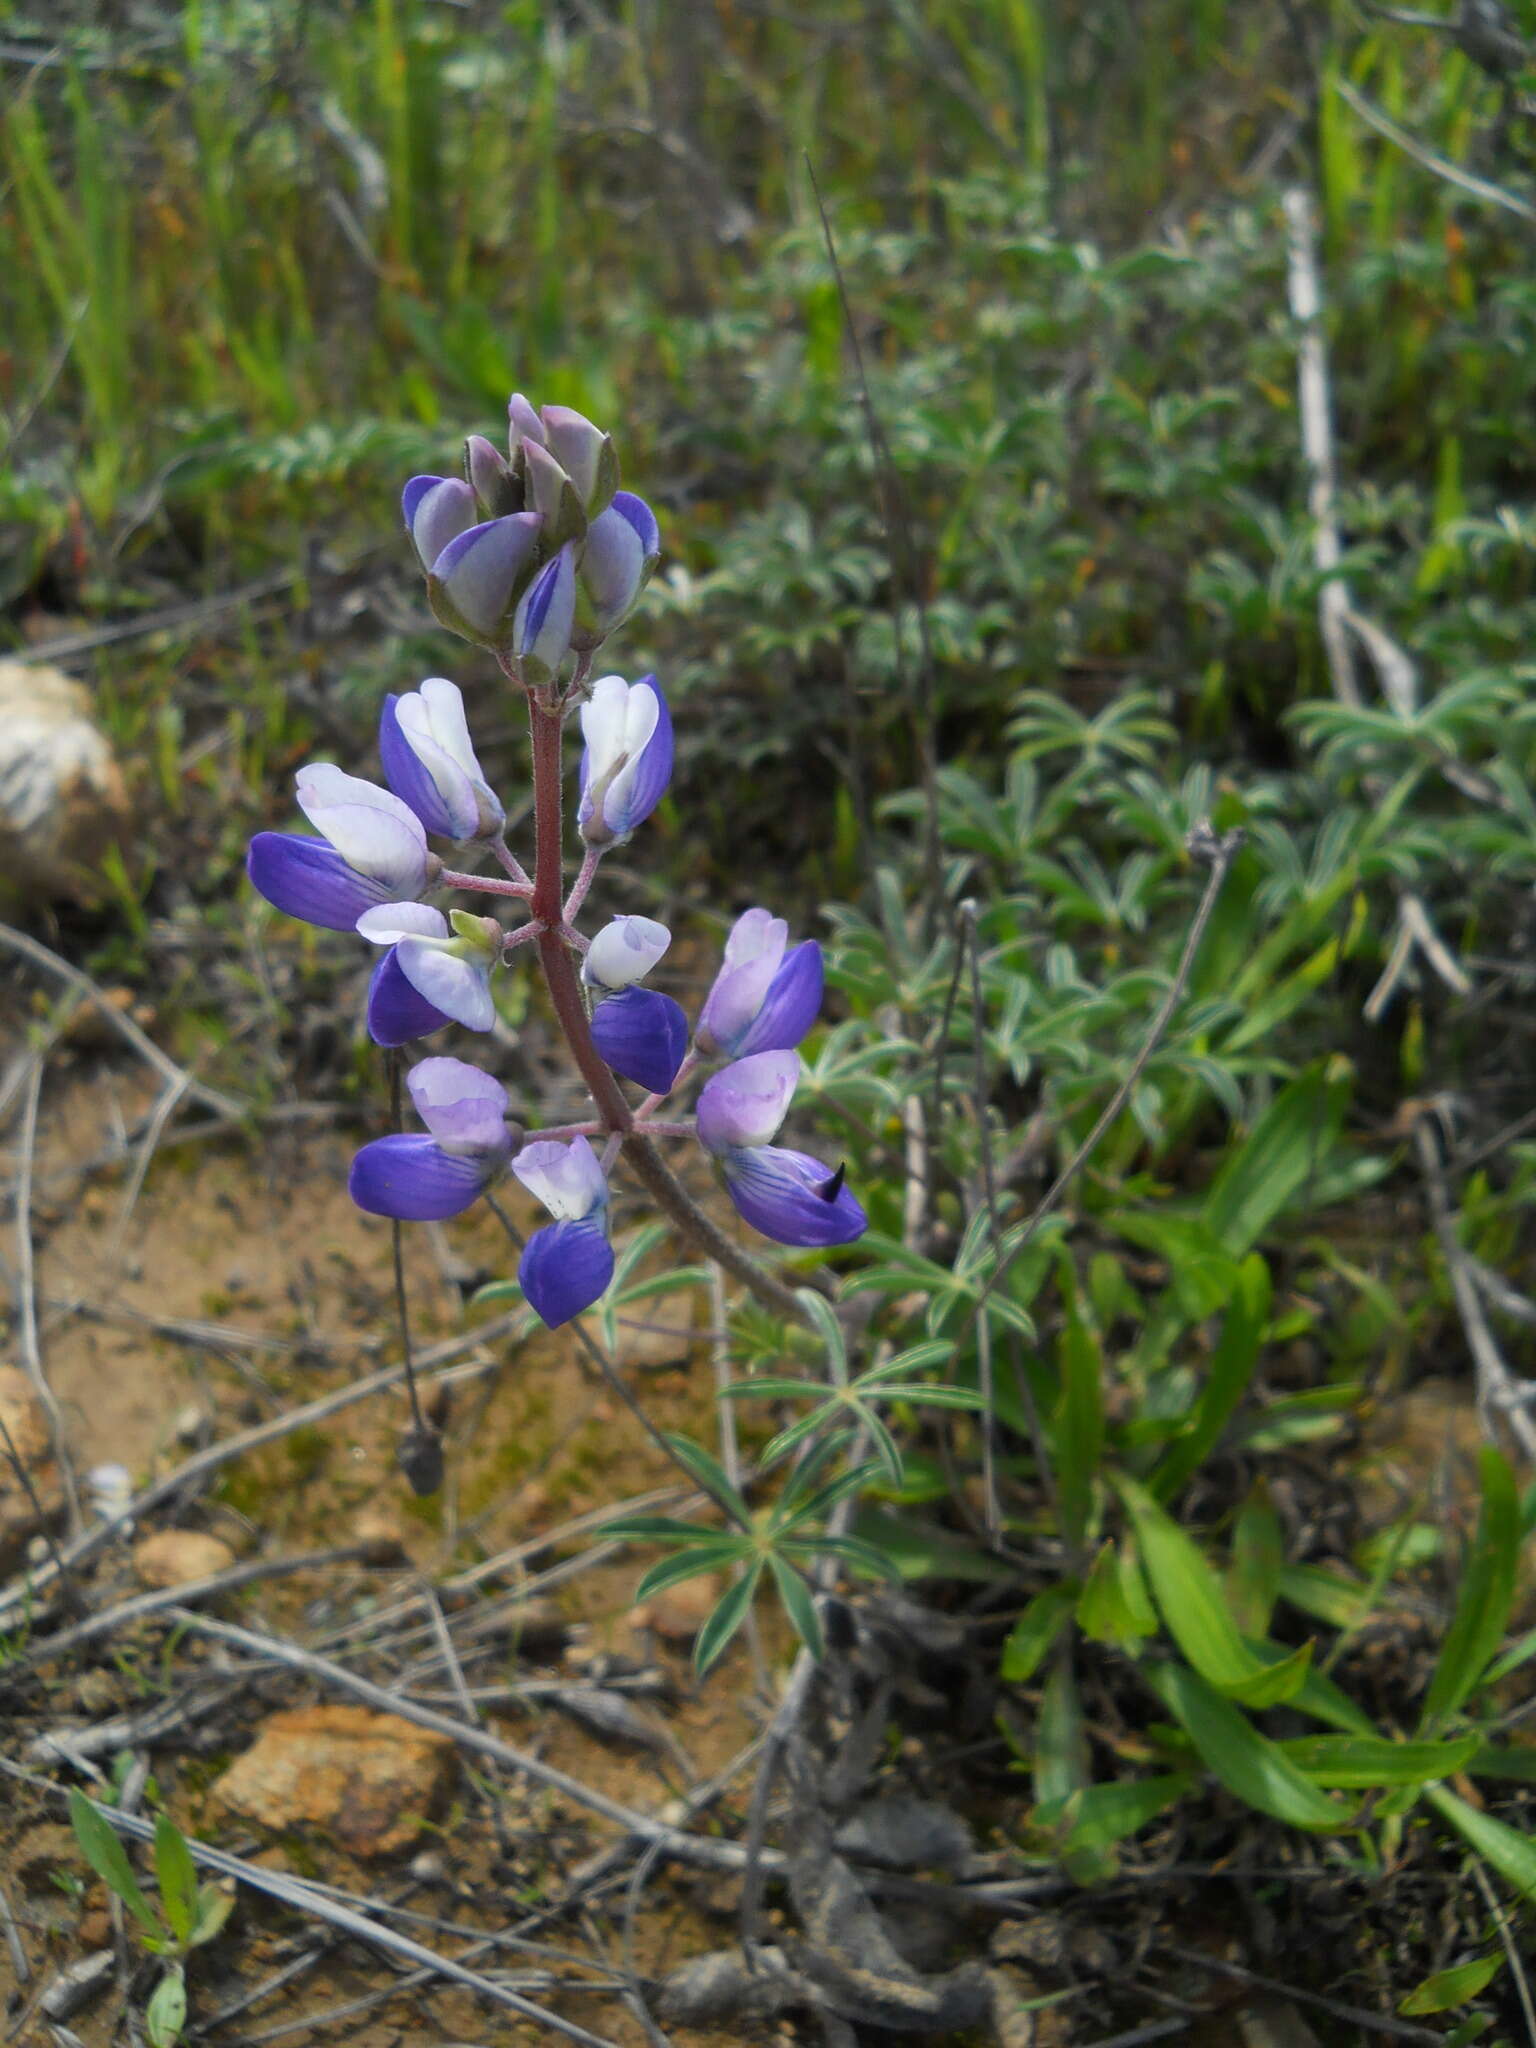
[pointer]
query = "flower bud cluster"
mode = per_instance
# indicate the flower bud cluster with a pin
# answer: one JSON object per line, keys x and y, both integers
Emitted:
{"x": 538, "y": 555}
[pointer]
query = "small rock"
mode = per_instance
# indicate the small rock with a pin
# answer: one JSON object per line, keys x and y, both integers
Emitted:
{"x": 369, "y": 1780}
{"x": 177, "y": 1557}
{"x": 27, "y": 1422}
{"x": 63, "y": 800}
{"x": 680, "y": 1612}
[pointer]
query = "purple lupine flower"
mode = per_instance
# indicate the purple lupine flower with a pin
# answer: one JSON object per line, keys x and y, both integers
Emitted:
{"x": 541, "y": 625}
{"x": 473, "y": 585}
{"x": 420, "y": 1178}
{"x": 764, "y": 999}
{"x": 643, "y": 1036}
{"x": 429, "y": 763}
{"x": 397, "y": 1013}
{"x": 623, "y": 547}
{"x": 627, "y": 761}
{"x": 453, "y": 975}
{"x": 374, "y": 851}
{"x": 437, "y": 510}
{"x": 569, "y": 1263}
{"x": 787, "y": 1195}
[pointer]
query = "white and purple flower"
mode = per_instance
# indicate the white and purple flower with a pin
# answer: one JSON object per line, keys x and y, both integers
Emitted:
{"x": 764, "y": 999}
{"x": 568, "y": 1264}
{"x": 429, "y": 763}
{"x": 627, "y": 761}
{"x": 623, "y": 548}
{"x": 476, "y": 569}
{"x": 642, "y": 1035}
{"x": 787, "y": 1195}
{"x": 426, "y": 966}
{"x": 374, "y": 851}
{"x": 419, "y": 1179}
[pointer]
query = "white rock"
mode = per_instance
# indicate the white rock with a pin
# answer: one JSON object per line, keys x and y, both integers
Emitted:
{"x": 63, "y": 801}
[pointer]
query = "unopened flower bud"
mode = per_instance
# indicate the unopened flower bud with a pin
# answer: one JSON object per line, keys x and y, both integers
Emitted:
{"x": 491, "y": 478}
{"x": 541, "y": 626}
{"x": 475, "y": 582}
{"x": 623, "y": 547}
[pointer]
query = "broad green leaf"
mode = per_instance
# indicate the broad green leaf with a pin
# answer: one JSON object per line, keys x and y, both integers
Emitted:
{"x": 1326, "y": 1596}
{"x": 176, "y": 1875}
{"x": 730, "y": 1612}
{"x": 1516, "y": 1765}
{"x": 1487, "y": 1594}
{"x": 1512, "y": 1854}
{"x": 921, "y": 1550}
{"x": 1105, "y": 1814}
{"x": 1190, "y": 1599}
{"x": 1361, "y": 1763}
{"x": 1077, "y": 1427}
{"x": 108, "y": 1858}
{"x": 166, "y": 2013}
{"x": 1232, "y": 1366}
{"x": 1036, "y": 1630}
{"x": 1253, "y": 1578}
{"x": 1201, "y": 1272}
{"x": 1452, "y": 1987}
{"x": 1252, "y": 1768}
{"x": 1285, "y": 1150}
{"x": 213, "y": 1909}
{"x": 1108, "y": 1611}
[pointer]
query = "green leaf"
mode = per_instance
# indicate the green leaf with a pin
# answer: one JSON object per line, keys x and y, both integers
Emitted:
{"x": 1231, "y": 1367}
{"x": 1109, "y": 1610}
{"x": 1253, "y": 1579}
{"x": 1286, "y": 1149}
{"x": 1252, "y": 1768}
{"x": 108, "y": 1858}
{"x": 659, "y": 1529}
{"x": 166, "y": 2013}
{"x": 1201, "y": 1273}
{"x": 920, "y": 1550}
{"x": 709, "y": 1473}
{"x": 799, "y": 1605}
{"x": 1361, "y": 1763}
{"x": 1325, "y": 1595}
{"x": 730, "y": 1612}
{"x": 213, "y": 1909}
{"x": 1487, "y": 1594}
{"x": 1452, "y": 1987}
{"x": 1512, "y": 1854}
{"x": 176, "y": 1875}
{"x": 1105, "y": 1814}
{"x": 1077, "y": 1430}
{"x": 1194, "y": 1610}
{"x": 692, "y": 1564}
{"x": 1036, "y": 1630}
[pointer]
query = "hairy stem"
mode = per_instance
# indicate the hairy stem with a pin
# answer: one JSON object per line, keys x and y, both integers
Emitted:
{"x": 561, "y": 979}
{"x": 486, "y": 885}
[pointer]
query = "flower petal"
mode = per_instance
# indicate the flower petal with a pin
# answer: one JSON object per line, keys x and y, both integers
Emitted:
{"x": 423, "y": 777}
{"x": 622, "y": 548}
{"x": 396, "y": 1012}
{"x": 462, "y": 1106}
{"x": 369, "y": 827}
{"x": 791, "y": 1005}
{"x": 567, "y": 1179}
{"x": 642, "y": 1036}
{"x": 478, "y": 574}
{"x": 565, "y": 1267}
{"x": 309, "y": 879}
{"x": 415, "y": 1179}
{"x": 745, "y": 1103}
{"x": 541, "y": 625}
{"x": 459, "y": 988}
{"x": 388, "y": 923}
{"x": 624, "y": 951}
{"x": 791, "y": 1197}
{"x": 437, "y": 509}
{"x": 627, "y": 762}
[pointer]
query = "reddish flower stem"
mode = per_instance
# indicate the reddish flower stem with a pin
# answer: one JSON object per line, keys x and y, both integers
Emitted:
{"x": 561, "y": 979}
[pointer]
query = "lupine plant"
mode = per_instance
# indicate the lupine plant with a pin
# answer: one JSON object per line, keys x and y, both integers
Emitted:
{"x": 537, "y": 556}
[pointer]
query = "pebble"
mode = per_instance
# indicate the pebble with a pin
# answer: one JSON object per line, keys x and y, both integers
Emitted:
{"x": 177, "y": 1557}
{"x": 368, "y": 1780}
{"x": 63, "y": 800}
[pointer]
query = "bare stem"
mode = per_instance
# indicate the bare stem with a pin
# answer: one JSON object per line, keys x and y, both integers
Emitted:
{"x": 589, "y": 866}
{"x": 512, "y": 864}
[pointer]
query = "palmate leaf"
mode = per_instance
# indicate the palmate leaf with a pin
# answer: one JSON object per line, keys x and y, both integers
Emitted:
{"x": 799, "y": 1604}
{"x": 710, "y": 1474}
{"x": 692, "y": 1564}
